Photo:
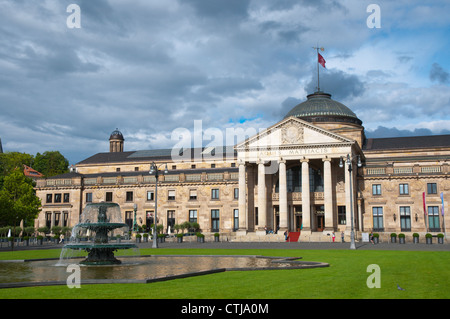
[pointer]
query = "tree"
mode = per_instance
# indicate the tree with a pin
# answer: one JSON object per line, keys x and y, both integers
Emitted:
{"x": 18, "y": 200}
{"x": 12, "y": 160}
{"x": 51, "y": 163}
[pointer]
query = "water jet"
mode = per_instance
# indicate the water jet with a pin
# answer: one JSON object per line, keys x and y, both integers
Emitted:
{"x": 99, "y": 224}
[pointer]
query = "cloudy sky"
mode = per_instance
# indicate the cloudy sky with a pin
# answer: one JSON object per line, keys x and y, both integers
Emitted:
{"x": 148, "y": 67}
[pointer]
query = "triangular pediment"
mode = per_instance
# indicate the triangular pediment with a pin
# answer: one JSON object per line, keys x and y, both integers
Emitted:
{"x": 291, "y": 132}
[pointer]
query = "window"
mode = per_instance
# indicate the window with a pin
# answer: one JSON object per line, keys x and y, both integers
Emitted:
{"x": 171, "y": 219}
{"x": 376, "y": 189}
{"x": 193, "y": 216}
{"x": 129, "y": 219}
{"x": 405, "y": 218}
{"x": 65, "y": 219}
{"x": 150, "y": 195}
{"x": 108, "y": 197}
{"x": 215, "y": 220}
{"x": 129, "y": 197}
{"x": 404, "y": 189}
{"x": 433, "y": 218}
{"x": 432, "y": 188}
{"x": 48, "y": 220}
{"x": 215, "y": 193}
{"x": 149, "y": 220}
{"x": 193, "y": 166}
{"x": 49, "y": 198}
{"x": 236, "y": 219}
{"x": 88, "y": 197}
{"x": 57, "y": 198}
{"x": 171, "y": 195}
{"x": 193, "y": 194}
{"x": 118, "y": 169}
{"x": 377, "y": 218}
{"x": 136, "y": 169}
{"x": 66, "y": 197}
{"x": 341, "y": 215}
{"x": 57, "y": 218}
{"x": 236, "y": 193}
{"x": 213, "y": 165}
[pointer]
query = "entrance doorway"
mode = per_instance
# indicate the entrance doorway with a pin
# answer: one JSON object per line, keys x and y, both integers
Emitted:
{"x": 320, "y": 222}
{"x": 298, "y": 222}
{"x": 149, "y": 220}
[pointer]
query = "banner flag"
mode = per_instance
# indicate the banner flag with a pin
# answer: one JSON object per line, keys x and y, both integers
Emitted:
{"x": 442, "y": 208}
{"x": 321, "y": 60}
{"x": 424, "y": 204}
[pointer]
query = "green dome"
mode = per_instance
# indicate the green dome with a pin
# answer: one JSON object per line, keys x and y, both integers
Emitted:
{"x": 319, "y": 107}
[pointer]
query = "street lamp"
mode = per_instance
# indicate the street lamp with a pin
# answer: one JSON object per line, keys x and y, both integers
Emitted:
{"x": 348, "y": 161}
{"x": 134, "y": 220}
{"x": 155, "y": 170}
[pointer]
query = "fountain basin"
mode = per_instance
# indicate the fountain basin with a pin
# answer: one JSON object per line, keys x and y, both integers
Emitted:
{"x": 143, "y": 269}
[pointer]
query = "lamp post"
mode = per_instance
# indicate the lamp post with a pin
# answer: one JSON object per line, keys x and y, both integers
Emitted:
{"x": 155, "y": 170}
{"x": 348, "y": 161}
{"x": 134, "y": 220}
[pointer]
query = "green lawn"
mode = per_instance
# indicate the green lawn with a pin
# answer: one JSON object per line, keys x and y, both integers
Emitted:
{"x": 423, "y": 274}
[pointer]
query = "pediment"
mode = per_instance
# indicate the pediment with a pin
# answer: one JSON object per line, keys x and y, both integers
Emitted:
{"x": 292, "y": 132}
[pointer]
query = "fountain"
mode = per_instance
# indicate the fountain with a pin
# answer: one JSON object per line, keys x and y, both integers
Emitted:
{"x": 98, "y": 223}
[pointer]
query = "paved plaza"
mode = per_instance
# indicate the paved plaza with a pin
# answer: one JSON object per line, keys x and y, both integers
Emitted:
{"x": 267, "y": 245}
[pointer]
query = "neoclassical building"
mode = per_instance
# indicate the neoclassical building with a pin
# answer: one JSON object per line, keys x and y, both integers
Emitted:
{"x": 309, "y": 174}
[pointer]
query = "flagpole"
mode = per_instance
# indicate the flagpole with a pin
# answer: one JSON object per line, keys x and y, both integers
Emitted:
{"x": 317, "y": 49}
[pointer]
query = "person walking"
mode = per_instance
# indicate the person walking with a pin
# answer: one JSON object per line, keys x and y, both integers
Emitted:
{"x": 333, "y": 236}
{"x": 342, "y": 236}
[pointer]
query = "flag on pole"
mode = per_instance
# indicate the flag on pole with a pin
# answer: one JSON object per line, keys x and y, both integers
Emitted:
{"x": 442, "y": 208}
{"x": 321, "y": 59}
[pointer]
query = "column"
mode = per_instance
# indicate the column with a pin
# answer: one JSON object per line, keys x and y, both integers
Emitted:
{"x": 283, "y": 196}
{"x": 306, "y": 199}
{"x": 242, "y": 199}
{"x": 262, "y": 205}
{"x": 328, "y": 194}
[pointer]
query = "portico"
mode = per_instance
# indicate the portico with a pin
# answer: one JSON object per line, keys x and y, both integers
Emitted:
{"x": 290, "y": 179}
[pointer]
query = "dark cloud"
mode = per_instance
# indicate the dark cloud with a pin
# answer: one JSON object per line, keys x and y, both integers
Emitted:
{"x": 220, "y": 9}
{"x": 341, "y": 85}
{"x": 383, "y": 132}
{"x": 438, "y": 74}
{"x": 148, "y": 67}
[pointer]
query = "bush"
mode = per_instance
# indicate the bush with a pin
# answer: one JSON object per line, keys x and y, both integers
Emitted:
{"x": 179, "y": 235}
{"x": 44, "y": 230}
{"x": 401, "y": 235}
{"x": 216, "y": 234}
{"x": 416, "y": 235}
{"x": 440, "y": 235}
{"x": 428, "y": 235}
{"x": 394, "y": 235}
{"x": 376, "y": 235}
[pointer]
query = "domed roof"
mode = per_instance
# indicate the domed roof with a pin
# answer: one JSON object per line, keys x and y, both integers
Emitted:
{"x": 319, "y": 107}
{"x": 116, "y": 135}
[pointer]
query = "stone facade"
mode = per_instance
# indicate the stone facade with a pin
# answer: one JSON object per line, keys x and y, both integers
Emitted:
{"x": 292, "y": 176}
